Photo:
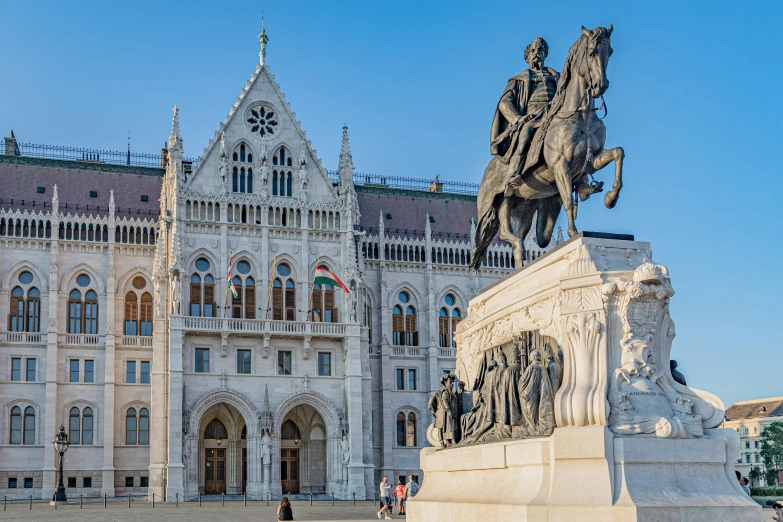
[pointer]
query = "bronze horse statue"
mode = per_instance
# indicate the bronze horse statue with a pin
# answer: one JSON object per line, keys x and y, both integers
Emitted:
{"x": 568, "y": 146}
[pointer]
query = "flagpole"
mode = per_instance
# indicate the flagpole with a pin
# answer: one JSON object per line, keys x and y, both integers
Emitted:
{"x": 312, "y": 290}
{"x": 269, "y": 293}
{"x": 228, "y": 282}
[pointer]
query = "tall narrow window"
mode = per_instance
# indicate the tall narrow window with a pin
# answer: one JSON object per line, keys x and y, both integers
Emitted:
{"x": 411, "y": 333}
{"x": 73, "y": 370}
{"x": 16, "y": 425}
{"x": 130, "y": 372}
{"x": 131, "y": 313}
{"x": 324, "y": 364}
{"x": 202, "y": 291}
{"x": 324, "y": 308}
{"x": 242, "y": 179}
{"x": 16, "y": 369}
{"x": 195, "y": 295}
{"x": 144, "y": 374}
{"x": 289, "y": 187}
{"x": 89, "y": 371}
{"x": 274, "y": 183}
{"x": 145, "y": 314}
{"x": 283, "y": 294}
{"x": 29, "y": 426}
{"x": 249, "y": 181}
{"x": 235, "y": 180}
{"x": 30, "y": 369}
{"x": 16, "y": 317}
{"x": 74, "y": 426}
{"x": 411, "y": 431}
{"x": 33, "y": 310}
{"x": 87, "y": 426}
{"x": 411, "y": 379}
{"x": 130, "y": 427}
{"x": 400, "y": 429}
{"x": 91, "y": 312}
{"x": 400, "y": 374}
{"x": 144, "y": 426}
{"x": 448, "y": 318}
{"x": 75, "y": 312}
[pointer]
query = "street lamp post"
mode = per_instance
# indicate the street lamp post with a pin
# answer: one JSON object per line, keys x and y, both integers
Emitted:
{"x": 60, "y": 444}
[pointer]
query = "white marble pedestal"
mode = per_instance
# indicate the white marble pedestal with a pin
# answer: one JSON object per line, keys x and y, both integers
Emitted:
{"x": 630, "y": 444}
{"x": 584, "y": 474}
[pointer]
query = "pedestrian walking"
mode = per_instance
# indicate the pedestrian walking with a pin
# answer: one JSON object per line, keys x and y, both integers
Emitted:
{"x": 284, "y": 510}
{"x": 399, "y": 494}
{"x": 385, "y": 488}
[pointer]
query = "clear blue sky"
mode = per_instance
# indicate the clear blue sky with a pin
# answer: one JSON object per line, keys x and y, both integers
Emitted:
{"x": 694, "y": 100}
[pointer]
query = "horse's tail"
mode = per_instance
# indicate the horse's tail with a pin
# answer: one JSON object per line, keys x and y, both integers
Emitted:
{"x": 487, "y": 227}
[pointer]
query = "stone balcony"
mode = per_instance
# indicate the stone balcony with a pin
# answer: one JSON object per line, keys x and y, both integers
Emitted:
{"x": 264, "y": 327}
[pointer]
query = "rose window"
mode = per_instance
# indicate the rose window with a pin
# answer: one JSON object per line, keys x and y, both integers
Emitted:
{"x": 262, "y": 120}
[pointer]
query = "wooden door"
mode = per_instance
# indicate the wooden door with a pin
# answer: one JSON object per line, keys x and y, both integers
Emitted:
{"x": 214, "y": 470}
{"x": 289, "y": 470}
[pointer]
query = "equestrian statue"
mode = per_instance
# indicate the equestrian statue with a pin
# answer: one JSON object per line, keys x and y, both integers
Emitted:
{"x": 547, "y": 141}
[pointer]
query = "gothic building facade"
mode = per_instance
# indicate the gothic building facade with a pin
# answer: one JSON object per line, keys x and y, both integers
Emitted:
{"x": 121, "y": 326}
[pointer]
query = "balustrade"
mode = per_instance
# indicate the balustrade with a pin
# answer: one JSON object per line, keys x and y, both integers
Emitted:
{"x": 137, "y": 341}
{"x": 264, "y": 326}
{"x": 25, "y": 338}
{"x": 80, "y": 339}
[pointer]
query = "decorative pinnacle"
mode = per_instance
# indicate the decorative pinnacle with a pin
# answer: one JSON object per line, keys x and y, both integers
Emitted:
{"x": 427, "y": 227}
{"x": 262, "y": 39}
{"x": 346, "y": 160}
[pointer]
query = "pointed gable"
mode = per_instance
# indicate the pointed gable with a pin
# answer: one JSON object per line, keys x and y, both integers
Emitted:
{"x": 260, "y": 131}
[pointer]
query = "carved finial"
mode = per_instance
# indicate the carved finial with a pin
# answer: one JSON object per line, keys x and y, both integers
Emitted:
{"x": 55, "y": 201}
{"x": 175, "y": 123}
{"x": 346, "y": 167}
{"x": 472, "y": 232}
{"x": 111, "y": 202}
{"x": 263, "y": 39}
{"x": 428, "y": 228}
{"x": 381, "y": 225}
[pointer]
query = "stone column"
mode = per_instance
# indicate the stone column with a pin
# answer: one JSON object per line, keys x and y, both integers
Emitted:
{"x": 232, "y": 484}
{"x": 353, "y": 384}
{"x": 107, "y": 473}
{"x": 174, "y": 467}
{"x": 50, "y": 414}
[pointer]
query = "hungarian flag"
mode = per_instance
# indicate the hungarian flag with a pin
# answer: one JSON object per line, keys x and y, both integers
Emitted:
{"x": 324, "y": 276}
{"x": 229, "y": 283}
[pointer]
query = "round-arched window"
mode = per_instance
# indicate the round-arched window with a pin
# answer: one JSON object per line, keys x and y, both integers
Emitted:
{"x": 450, "y": 300}
{"x": 403, "y": 297}
{"x": 202, "y": 265}
{"x": 26, "y": 278}
{"x": 139, "y": 282}
{"x": 283, "y": 270}
{"x": 83, "y": 280}
{"x": 243, "y": 267}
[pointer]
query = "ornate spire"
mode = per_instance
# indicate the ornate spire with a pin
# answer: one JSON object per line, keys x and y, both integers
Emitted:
{"x": 111, "y": 203}
{"x": 175, "y": 140}
{"x": 55, "y": 201}
{"x": 381, "y": 226}
{"x": 345, "y": 169}
{"x": 428, "y": 229}
{"x": 472, "y": 232}
{"x": 266, "y": 412}
{"x": 262, "y": 39}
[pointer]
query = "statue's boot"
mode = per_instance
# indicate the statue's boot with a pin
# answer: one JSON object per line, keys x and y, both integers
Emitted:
{"x": 586, "y": 190}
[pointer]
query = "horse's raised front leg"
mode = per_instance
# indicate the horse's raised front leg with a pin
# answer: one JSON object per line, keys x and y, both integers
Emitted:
{"x": 563, "y": 181}
{"x": 617, "y": 155}
{"x": 506, "y": 234}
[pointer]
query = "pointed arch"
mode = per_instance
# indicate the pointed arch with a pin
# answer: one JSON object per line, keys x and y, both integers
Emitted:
{"x": 452, "y": 289}
{"x": 236, "y": 399}
{"x": 416, "y": 297}
{"x": 21, "y": 266}
{"x": 204, "y": 252}
{"x": 128, "y": 276}
{"x": 248, "y": 147}
{"x": 70, "y": 275}
{"x": 296, "y": 268}
{"x": 318, "y": 402}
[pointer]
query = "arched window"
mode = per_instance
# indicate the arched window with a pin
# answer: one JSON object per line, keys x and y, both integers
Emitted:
{"x": 242, "y": 152}
{"x": 215, "y": 430}
{"x": 234, "y": 179}
{"x": 145, "y": 314}
{"x": 367, "y": 314}
{"x": 83, "y": 312}
{"x": 289, "y": 186}
{"x": 29, "y": 426}
{"x": 131, "y": 427}
{"x": 87, "y": 426}
{"x": 242, "y": 179}
{"x": 406, "y": 428}
{"x": 290, "y": 431}
{"x": 25, "y": 310}
{"x": 244, "y": 306}
{"x": 404, "y": 326}
{"x": 249, "y": 180}
{"x": 274, "y": 181}
{"x": 324, "y": 304}
{"x": 449, "y": 318}
{"x": 16, "y": 425}
{"x": 74, "y": 426}
{"x": 202, "y": 290}
{"x": 283, "y": 294}
{"x": 131, "y": 313}
{"x": 137, "y": 427}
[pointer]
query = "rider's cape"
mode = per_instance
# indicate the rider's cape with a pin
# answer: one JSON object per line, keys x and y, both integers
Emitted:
{"x": 519, "y": 91}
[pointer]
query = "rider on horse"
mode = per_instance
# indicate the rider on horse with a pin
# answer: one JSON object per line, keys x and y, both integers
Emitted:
{"x": 519, "y": 114}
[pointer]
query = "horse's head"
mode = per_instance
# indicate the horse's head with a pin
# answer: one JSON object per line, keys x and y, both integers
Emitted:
{"x": 598, "y": 49}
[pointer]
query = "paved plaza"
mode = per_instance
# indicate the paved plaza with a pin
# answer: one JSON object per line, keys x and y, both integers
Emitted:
{"x": 235, "y": 511}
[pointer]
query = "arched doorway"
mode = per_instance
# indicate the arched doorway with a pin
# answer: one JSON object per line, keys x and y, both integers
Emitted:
{"x": 303, "y": 455}
{"x": 222, "y": 451}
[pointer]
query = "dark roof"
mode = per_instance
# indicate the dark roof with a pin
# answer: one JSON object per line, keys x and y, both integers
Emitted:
{"x": 756, "y": 409}
{"x": 21, "y": 176}
{"x": 451, "y": 214}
